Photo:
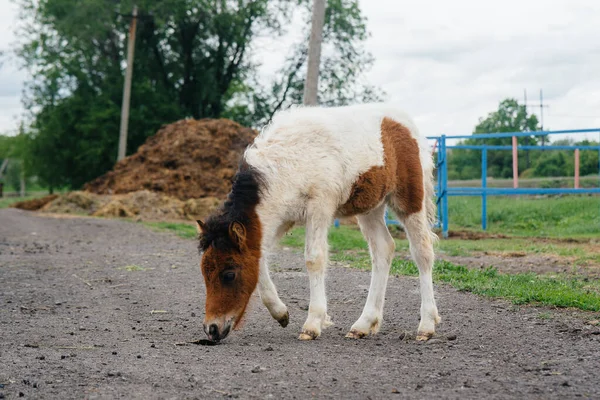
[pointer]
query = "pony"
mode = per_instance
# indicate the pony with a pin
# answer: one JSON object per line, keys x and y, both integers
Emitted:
{"x": 311, "y": 165}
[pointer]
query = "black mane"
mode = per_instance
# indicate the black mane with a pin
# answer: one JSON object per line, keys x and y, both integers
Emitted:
{"x": 241, "y": 201}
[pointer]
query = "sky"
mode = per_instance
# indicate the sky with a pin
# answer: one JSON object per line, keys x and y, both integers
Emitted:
{"x": 446, "y": 63}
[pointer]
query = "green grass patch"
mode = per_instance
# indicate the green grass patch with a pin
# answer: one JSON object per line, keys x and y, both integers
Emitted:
{"x": 588, "y": 181}
{"x": 557, "y": 217}
{"x": 186, "y": 231}
{"x": 348, "y": 247}
{"x": 350, "y": 238}
{"x": 521, "y": 288}
{"x": 342, "y": 238}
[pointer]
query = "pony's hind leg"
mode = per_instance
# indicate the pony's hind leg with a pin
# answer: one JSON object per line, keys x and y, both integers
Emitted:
{"x": 421, "y": 240}
{"x": 381, "y": 246}
{"x": 318, "y": 222}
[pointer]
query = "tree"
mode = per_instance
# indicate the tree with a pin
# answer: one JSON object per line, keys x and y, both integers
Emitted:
{"x": 562, "y": 162}
{"x": 194, "y": 58}
{"x": 510, "y": 117}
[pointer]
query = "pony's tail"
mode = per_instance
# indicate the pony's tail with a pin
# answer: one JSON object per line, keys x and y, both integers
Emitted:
{"x": 430, "y": 205}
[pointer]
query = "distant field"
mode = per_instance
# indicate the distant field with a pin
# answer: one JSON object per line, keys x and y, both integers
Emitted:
{"x": 587, "y": 181}
{"x": 555, "y": 216}
{"x": 561, "y": 290}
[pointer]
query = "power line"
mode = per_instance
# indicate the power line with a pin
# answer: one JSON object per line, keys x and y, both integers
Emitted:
{"x": 541, "y": 106}
{"x": 574, "y": 116}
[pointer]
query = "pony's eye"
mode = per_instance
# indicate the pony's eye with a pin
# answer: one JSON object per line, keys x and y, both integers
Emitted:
{"x": 228, "y": 277}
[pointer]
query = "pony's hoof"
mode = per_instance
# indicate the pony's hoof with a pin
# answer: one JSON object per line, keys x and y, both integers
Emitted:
{"x": 424, "y": 336}
{"x": 285, "y": 320}
{"x": 308, "y": 335}
{"x": 327, "y": 322}
{"x": 354, "y": 334}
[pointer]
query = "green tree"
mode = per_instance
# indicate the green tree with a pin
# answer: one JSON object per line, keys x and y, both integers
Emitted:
{"x": 562, "y": 162}
{"x": 194, "y": 58}
{"x": 510, "y": 117}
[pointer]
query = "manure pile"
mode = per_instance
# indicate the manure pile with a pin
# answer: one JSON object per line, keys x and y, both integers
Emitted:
{"x": 188, "y": 159}
{"x": 182, "y": 172}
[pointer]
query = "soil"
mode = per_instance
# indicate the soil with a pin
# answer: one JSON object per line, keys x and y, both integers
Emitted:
{"x": 98, "y": 308}
{"x": 518, "y": 262}
{"x": 34, "y": 204}
{"x": 188, "y": 159}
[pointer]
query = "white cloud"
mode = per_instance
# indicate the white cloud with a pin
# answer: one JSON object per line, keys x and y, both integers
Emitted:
{"x": 450, "y": 63}
{"x": 11, "y": 77}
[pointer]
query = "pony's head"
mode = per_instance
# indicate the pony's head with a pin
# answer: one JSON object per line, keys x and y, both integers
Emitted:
{"x": 230, "y": 242}
{"x": 230, "y": 265}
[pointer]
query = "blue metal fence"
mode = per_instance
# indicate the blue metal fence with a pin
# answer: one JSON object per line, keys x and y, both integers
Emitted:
{"x": 443, "y": 191}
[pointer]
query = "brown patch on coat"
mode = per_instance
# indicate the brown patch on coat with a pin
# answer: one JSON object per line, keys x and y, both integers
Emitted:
{"x": 400, "y": 176}
{"x": 368, "y": 191}
{"x": 401, "y": 148}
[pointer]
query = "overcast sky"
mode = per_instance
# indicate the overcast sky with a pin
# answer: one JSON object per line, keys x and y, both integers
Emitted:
{"x": 449, "y": 63}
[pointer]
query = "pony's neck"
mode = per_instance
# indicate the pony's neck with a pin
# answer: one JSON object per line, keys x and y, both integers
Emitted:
{"x": 241, "y": 204}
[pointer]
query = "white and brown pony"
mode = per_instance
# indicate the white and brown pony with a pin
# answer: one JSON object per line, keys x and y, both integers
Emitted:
{"x": 311, "y": 165}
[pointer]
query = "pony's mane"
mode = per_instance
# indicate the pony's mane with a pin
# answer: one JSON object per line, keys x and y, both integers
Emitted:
{"x": 239, "y": 206}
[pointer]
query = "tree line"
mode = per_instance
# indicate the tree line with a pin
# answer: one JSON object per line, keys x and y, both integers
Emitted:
{"x": 193, "y": 58}
{"x": 199, "y": 59}
{"x": 513, "y": 117}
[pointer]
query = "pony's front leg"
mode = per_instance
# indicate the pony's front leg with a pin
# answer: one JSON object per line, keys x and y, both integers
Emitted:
{"x": 316, "y": 257}
{"x": 269, "y": 296}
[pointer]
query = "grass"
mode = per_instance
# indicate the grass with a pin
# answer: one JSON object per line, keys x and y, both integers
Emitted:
{"x": 558, "y": 290}
{"x": 547, "y": 182}
{"x": 521, "y": 218}
{"x": 350, "y": 238}
{"x": 186, "y": 231}
{"x": 577, "y": 253}
{"x": 555, "y": 217}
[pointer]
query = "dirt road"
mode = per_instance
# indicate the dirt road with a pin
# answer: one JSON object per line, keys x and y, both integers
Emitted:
{"x": 94, "y": 308}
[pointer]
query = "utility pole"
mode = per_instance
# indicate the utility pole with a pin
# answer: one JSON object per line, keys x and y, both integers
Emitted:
{"x": 22, "y": 190}
{"x": 541, "y": 106}
{"x": 127, "y": 87}
{"x": 542, "y": 116}
{"x": 311, "y": 84}
{"x": 525, "y": 101}
{"x": 2, "y": 167}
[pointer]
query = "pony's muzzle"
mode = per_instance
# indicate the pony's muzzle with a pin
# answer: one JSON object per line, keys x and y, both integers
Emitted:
{"x": 215, "y": 333}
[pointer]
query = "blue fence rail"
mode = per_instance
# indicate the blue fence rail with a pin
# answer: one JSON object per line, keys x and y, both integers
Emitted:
{"x": 443, "y": 191}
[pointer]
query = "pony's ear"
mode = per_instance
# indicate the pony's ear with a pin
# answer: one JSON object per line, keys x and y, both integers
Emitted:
{"x": 237, "y": 233}
{"x": 200, "y": 227}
